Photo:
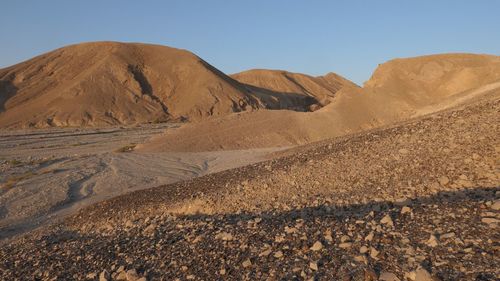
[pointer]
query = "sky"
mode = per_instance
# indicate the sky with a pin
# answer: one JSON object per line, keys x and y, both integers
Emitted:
{"x": 314, "y": 37}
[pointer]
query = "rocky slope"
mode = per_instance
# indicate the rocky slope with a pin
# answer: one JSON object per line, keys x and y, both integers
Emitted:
{"x": 417, "y": 201}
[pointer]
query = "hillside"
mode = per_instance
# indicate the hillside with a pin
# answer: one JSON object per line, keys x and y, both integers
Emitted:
{"x": 102, "y": 83}
{"x": 417, "y": 201}
{"x": 322, "y": 88}
{"x": 388, "y": 97}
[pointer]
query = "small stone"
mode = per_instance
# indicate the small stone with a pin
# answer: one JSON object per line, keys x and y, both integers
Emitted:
{"x": 91, "y": 275}
{"x": 345, "y": 245}
{"x": 329, "y": 238}
{"x": 278, "y": 254}
{"x": 496, "y": 205}
{"x": 443, "y": 180}
{"x": 432, "y": 242}
{"x": 121, "y": 276}
{"x": 363, "y": 250}
{"x": 317, "y": 246}
{"x": 247, "y": 263}
{"x": 388, "y": 276}
{"x": 129, "y": 224}
{"x": 370, "y": 275}
{"x": 387, "y": 220}
{"x": 344, "y": 238}
{"x": 360, "y": 258}
{"x": 369, "y": 237}
{"x": 265, "y": 253}
{"x": 373, "y": 253}
{"x": 224, "y": 236}
{"x": 403, "y": 151}
{"x": 132, "y": 275}
{"x": 490, "y": 221}
{"x": 104, "y": 276}
{"x": 405, "y": 210}
{"x": 222, "y": 271}
{"x": 313, "y": 266}
{"x": 423, "y": 275}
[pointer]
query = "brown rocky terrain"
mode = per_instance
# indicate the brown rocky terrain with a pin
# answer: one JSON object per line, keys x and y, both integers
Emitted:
{"x": 415, "y": 201}
{"x": 111, "y": 83}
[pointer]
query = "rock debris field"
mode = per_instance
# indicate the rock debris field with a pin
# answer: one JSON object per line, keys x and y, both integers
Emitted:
{"x": 417, "y": 201}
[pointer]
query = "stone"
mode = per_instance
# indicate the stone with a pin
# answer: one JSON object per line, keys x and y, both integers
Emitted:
{"x": 247, "y": 263}
{"x": 490, "y": 221}
{"x": 405, "y": 210}
{"x": 388, "y": 276}
{"x": 432, "y": 242}
{"x": 387, "y": 220}
{"x": 104, "y": 276}
{"x": 121, "y": 276}
{"x": 313, "y": 266}
{"x": 224, "y": 236}
{"x": 363, "y": 250}
{"x": 403, "y": 151}
{"x": 373, "y": 253}
{"x": 222, "y": 271}
{"x": 369, "y": 237}
{"x": 344, "y": 238}
{"x": 265, "y": 253}
{"x": 317, "y": 246}
{"x": 278, "y": 254}
{"x": 423, "y": 275}
{"x": 132, "y": 275}
{"x": 91, "y": 275}
{"x": 496, "y": 205}
{"x": 443, "y": 180}
{"x": 345, "y": 245}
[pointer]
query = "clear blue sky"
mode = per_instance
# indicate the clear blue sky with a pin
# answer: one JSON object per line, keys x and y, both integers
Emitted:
{"x": 313, "y": 37}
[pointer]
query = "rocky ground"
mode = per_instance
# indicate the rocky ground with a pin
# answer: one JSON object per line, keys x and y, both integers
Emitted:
{"x": 418, "y": 201}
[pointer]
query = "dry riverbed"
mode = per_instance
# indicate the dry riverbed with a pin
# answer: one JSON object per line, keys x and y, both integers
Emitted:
{"x": 50, "y": 173}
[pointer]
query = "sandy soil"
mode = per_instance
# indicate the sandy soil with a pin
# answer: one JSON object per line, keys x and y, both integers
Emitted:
{"x": 47, "y": 174}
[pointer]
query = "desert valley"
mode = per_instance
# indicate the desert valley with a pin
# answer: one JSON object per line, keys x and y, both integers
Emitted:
{"x": 130, "y": 161}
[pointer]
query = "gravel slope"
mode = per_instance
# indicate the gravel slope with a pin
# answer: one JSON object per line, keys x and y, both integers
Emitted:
{"x": 419, "y": 201}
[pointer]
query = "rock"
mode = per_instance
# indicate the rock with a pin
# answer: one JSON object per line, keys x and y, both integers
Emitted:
{"x": 388, "y": 276}
{"x": 423, "y": 275}
{"x": 410, "y": 275}
{"x": 104, "y": 276}
{"x": 405, "y": 210}
{"x": 345, "y": 238}
{"x": 345, "y": 245}
{"x": 313, "y": 266}
{"x": 496, "y": 205}
{"x": 403, "y": 151}
{"x": 247, "y": 263}
{"x": 278, "y": 254}
{"x": 443, "y": 180}
{"x": 370, "y": 275}
{"x": 317, "y": 246}
{"x": 373, "y": 253}
{"x": 432, "y": 242}
{"x": 129, "y": 224}
{"x": 329, "y": 238}
{"x": 91, "y": 275}
{"x": 150, "y": 228}
{"x": 222, "y": 271}
{"x": 369, "y": 237}
{"x": 387, "y": 220}
{"x": 121, "y": 276}
{"x": 224, "y": 236}
{"x": 490, "y": 221}
{"x": 363, "y": 250}
{"x": 132, "y": 275}
{"x": 265, "y": 253}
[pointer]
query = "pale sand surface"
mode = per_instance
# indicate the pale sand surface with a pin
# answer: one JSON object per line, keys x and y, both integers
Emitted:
{"x": 47, "y": 174}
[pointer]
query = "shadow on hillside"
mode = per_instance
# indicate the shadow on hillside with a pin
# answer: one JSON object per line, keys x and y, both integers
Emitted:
{"x": 7, "y": 90}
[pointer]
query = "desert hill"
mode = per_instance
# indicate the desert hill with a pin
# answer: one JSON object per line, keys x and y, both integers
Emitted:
{"x": 93, "y": 84}
{"x": 399, "y": 90}
{"x": 321, "y": 89}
